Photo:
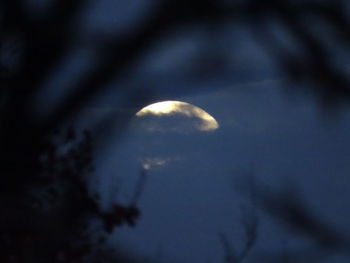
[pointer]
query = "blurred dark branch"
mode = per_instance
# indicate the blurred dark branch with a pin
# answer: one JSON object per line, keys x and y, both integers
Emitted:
{"x": 285, "y": 257}
{"x": 230, "y": 255}
{"x": 140, "y": 186}
{"x": 250, "y": 223}
{"x": 45, "y": 43}
{"x": 118, "y": 55}
{"x": 313, "y": 61}
{"x": 292, "y": 212}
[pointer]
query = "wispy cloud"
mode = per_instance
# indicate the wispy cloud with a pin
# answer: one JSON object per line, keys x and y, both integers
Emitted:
{"x": 149, "y": 163}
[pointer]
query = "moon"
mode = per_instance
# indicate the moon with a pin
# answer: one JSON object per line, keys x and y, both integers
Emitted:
{"x": 203, "y": 120}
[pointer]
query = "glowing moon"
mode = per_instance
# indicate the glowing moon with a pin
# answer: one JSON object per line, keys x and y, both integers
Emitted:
{"x": 206, "y": 121}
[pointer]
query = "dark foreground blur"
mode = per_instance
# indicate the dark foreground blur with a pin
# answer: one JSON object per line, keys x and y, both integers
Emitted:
{"x": 48, "y": 212}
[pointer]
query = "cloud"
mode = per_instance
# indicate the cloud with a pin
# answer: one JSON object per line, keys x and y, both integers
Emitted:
{"x": 154, "y": 162}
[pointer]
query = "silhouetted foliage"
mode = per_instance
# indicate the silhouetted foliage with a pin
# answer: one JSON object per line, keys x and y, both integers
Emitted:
{"x": 50, "y": 220}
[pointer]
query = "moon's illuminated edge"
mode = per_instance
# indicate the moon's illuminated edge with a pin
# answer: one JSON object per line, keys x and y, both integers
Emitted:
{"x": 208, "y": 122}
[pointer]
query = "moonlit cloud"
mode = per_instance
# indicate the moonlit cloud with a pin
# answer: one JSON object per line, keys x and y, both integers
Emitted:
{"x": 153, "y": 162}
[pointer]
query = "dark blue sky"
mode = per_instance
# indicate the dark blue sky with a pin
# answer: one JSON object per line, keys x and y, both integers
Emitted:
{"x": 193, "y": 197}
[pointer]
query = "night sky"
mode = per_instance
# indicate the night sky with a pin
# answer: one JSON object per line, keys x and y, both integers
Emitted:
{"x": 192, "y": 198}
{"x": 198, "y": 192}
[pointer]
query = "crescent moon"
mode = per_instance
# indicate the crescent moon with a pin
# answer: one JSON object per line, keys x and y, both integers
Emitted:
{"x": 171, "y": 107}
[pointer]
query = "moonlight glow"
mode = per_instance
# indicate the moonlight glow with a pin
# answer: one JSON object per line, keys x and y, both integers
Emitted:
{"x": 207, "y": 122}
